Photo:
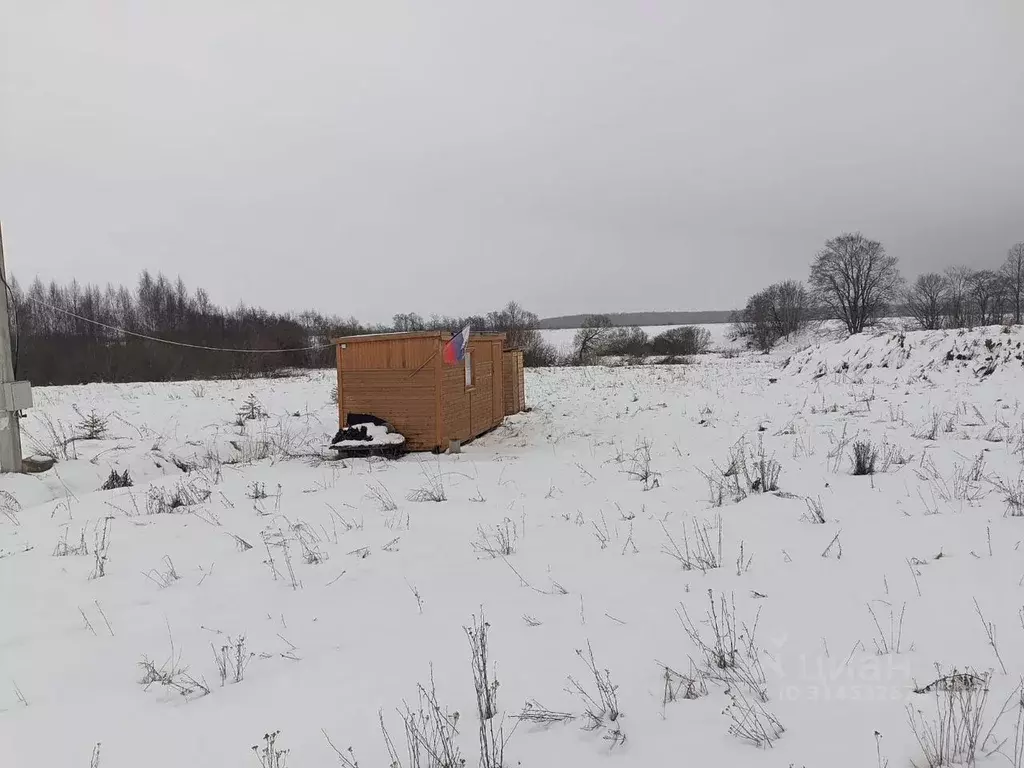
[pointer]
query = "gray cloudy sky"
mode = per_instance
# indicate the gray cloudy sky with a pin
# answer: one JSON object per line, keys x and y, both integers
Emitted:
{"x": 446, "y": 155}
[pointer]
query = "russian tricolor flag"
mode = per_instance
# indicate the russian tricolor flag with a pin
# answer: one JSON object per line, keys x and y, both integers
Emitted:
{"x": 455, "y": 349}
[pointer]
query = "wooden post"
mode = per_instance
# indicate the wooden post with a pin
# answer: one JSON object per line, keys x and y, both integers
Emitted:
{"x": 10, "y": 430}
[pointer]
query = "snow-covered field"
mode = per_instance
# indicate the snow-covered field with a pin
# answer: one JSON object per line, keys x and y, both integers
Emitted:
{"x": 561, "y": 338}
{"x": 346, "y": 601}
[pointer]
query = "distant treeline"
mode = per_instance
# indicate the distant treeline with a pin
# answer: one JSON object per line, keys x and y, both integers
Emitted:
{"x": 855, "y": 281}
{"x": 53, "y": 347}
{"x": 640, "y": 319}
{"x": 76, "y": 334}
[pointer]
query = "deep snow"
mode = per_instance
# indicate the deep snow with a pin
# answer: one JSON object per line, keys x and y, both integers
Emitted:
{"x": 381, "y": 596}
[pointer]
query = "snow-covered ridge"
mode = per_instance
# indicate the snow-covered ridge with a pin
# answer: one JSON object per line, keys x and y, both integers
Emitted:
{"x": 892, "y": 356}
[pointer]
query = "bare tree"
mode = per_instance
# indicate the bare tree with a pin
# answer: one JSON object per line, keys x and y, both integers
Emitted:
{"x": 408, "y": 322}
{"x": 855, "y": 280}
{"x": 986, "y": 291}
{"x": 591, "y": 338}
{"x": 1013, "y": 276}
{"x": 685, "y": 340}
{"x": 958, "y": 308}
{"x": 927, "y": 300}
{"x": 776, "y": 312}
{"x": 519, "y": 325}
{"x": 791, "y": 308}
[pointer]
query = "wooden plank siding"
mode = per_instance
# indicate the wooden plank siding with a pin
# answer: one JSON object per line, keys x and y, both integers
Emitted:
{"x": 402, "y": 378}
{"x": 395, "y": 379}
{"x": 514, "y": 389}
{"x": 470, "y": 411}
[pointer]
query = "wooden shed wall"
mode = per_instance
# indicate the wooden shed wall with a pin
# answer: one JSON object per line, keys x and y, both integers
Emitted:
{"x": 514, "y": 386}
{"x": 469, "y": 412}
{"x": 397, "y": 380}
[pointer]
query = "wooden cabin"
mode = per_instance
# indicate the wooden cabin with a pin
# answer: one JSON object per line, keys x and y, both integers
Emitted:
{"x": 403, "y": 379}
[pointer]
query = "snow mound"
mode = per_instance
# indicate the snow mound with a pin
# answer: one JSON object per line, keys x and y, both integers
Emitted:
{"x": 915, "y": 354}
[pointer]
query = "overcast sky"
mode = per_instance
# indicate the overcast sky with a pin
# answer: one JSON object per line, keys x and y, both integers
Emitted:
{"x": 445, "y": 156}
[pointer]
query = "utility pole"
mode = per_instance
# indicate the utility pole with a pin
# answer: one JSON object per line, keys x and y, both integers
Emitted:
{"x": 13, "y": 395}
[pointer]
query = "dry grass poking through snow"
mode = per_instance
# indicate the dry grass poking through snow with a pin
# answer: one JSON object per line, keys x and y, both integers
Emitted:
{"x": 736, "y": 562}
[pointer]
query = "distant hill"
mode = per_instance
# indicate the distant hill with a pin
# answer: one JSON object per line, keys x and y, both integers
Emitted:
{"x": 643, "y": 318}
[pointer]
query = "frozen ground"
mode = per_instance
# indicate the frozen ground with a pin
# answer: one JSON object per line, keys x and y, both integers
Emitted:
{"x": 346, "y": 604}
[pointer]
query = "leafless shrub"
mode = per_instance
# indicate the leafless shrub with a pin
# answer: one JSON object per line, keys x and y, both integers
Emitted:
{"x": 693, "y": 685}
{"x": 256, "y": 491}
{"x": 536, "y": 713}
{"x": 728, "y": 649}
{"x": 164, "y": 578}
{"x": 198, "y": 390}
{"x": 63, "y": 549}
{"x": 601, "y": 708}
{"x": 746, "y": 472}
{"x": 55, "y": 442}
{"x": 430, "y": 733}
{"x": 10, "y": 507}
{"x": 815, "y": 511}
{"x": 276, "y": 540}
{"x": 954, "y": 734}
{"x": 185, "y": 465}
{"x": 751, "y": 721}
{"x": 499, "y": 541}
{"x": 834, "y": 548}
{"x": 838, "y": 452}
{"x": 309, "y": 543}
{"x": 380, "y": 494}
{"x": 1017, "y": 758}
{"x": 930, "y": 429}
{"x": 492, "y": 735}
{"x": 185, "y": 493}
{"x": 601, "y": 532}
{"x": 1013, "y": 494}
{"x": 640, "y": 465}
{"x": 232, "y": 658}
{"x": 889, "y": 640}
{"x": 398, "y": 520}
{"x": 705, "y": 553}
{"x": 433, "y": 487}
{"x": 171, "y": 674}
{"x": 893, "y": 455}
{"x": 865, "y": 455}
{"x": 347, "y": 758}
{"x": 766, "y": 473}
{"x": 990, "y": 633}
{"x": 965, "y": 485}
{"x": 416, "y": 594}
{"x": 100, "y": 548}
{"x": 269, "y": 755}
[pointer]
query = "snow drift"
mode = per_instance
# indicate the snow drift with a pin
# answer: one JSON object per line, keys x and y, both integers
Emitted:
{"x": 897, "y": 356}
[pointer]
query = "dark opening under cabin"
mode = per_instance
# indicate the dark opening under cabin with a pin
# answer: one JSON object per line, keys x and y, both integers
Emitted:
{"x": 402, "y": 378}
